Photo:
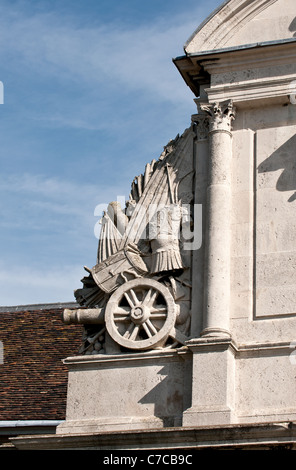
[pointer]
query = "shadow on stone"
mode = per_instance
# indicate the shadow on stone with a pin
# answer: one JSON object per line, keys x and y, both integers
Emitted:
{"x": 292, "y": 27}
{"x": 170, "y": 396}
{"x": 283, "y": 158}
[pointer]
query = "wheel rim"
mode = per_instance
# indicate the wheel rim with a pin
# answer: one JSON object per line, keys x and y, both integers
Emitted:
{"x": 140, "y": 314}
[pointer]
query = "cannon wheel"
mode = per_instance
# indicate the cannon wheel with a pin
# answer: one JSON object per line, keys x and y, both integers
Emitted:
{"x": 140, "y": 314}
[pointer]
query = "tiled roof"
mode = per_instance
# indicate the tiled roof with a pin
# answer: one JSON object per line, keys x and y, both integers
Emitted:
{"x": 33, "y": 379}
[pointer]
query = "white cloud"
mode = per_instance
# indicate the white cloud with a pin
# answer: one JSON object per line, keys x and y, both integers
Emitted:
{"x": 137, "y": 58}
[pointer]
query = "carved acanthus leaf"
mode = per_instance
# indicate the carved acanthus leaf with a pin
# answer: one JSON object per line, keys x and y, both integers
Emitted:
{"x": 220, "y": 115}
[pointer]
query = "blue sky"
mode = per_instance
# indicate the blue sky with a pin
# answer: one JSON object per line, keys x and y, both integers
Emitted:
{"x": 90, "y": 96}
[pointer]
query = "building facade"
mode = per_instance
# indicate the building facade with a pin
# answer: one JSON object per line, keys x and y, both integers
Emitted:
{"x": 189, "y": 315}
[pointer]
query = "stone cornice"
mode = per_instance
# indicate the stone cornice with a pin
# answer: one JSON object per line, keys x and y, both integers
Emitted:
{"x": 252, "y": 66}
{"x": 241, "y": 436}
{"x": 105, "y": 360}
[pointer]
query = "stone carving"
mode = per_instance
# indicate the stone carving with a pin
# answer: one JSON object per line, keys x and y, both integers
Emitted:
{"x": 113, "y": 222}
{"x": 221, "y": 115}
{"x": 140, "y": 305}
{"x": 137, "y": 296}
{"x": 212, "y": 117}
{"x": 201, "y": 122}
{"x": 164, "y": 229}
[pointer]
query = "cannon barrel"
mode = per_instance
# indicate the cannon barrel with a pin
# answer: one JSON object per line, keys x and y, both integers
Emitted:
{"x": 92, "y": 316}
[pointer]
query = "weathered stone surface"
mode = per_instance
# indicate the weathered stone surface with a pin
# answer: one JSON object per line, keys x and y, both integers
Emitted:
{"x": 239, "y": 22}
{"x": 131, "y": 391}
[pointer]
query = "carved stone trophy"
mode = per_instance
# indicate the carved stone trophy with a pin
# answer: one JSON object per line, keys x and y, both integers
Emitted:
{"x": 137, "y": 296}
{"x": 135, "y": 303}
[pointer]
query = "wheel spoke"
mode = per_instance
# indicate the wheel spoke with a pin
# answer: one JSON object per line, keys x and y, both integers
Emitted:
{"x": 134, "y": 333}
{"x": 151, "y": 326}
{"x": 147, "y": 296}
{"x": 121, "y": 314}
{"x": 153, "y": 297}
{"x": 158, "y": 313}
{"x": 158, "y": 310}
{"x": 130, "y": 301}
{"x": 150, "y": 296}
{"x": 134, "y": 296}
{"x": 127, "y": 334}
{"x": 147, "y": 330}
{"x": 122, "y": 311}
{"x": 158, "y": 316}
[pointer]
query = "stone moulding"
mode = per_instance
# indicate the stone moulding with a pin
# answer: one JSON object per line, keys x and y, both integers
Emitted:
{"x": 265, "y": 436}
{"x": 242, "y": 93}
{"x": 170, "y": 354}
{"x": 240, "y": 350}
{"x": 132, "y": 358}
{"x": 225, "y": 21}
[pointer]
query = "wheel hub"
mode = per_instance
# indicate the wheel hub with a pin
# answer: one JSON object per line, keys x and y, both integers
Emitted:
{"x": 140, "y": 314}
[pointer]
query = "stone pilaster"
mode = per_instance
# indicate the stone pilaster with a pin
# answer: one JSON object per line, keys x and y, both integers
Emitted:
{"x": 200, "y": 157}
{"x": 213, "y": 382}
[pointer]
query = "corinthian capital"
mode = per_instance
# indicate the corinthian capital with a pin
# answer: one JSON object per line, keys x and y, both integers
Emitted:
{"x": 201, "y": 122}
{"x": 220, "y": 115}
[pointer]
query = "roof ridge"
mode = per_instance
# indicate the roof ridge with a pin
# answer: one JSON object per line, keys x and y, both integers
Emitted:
{"x": 29, "y": 307}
